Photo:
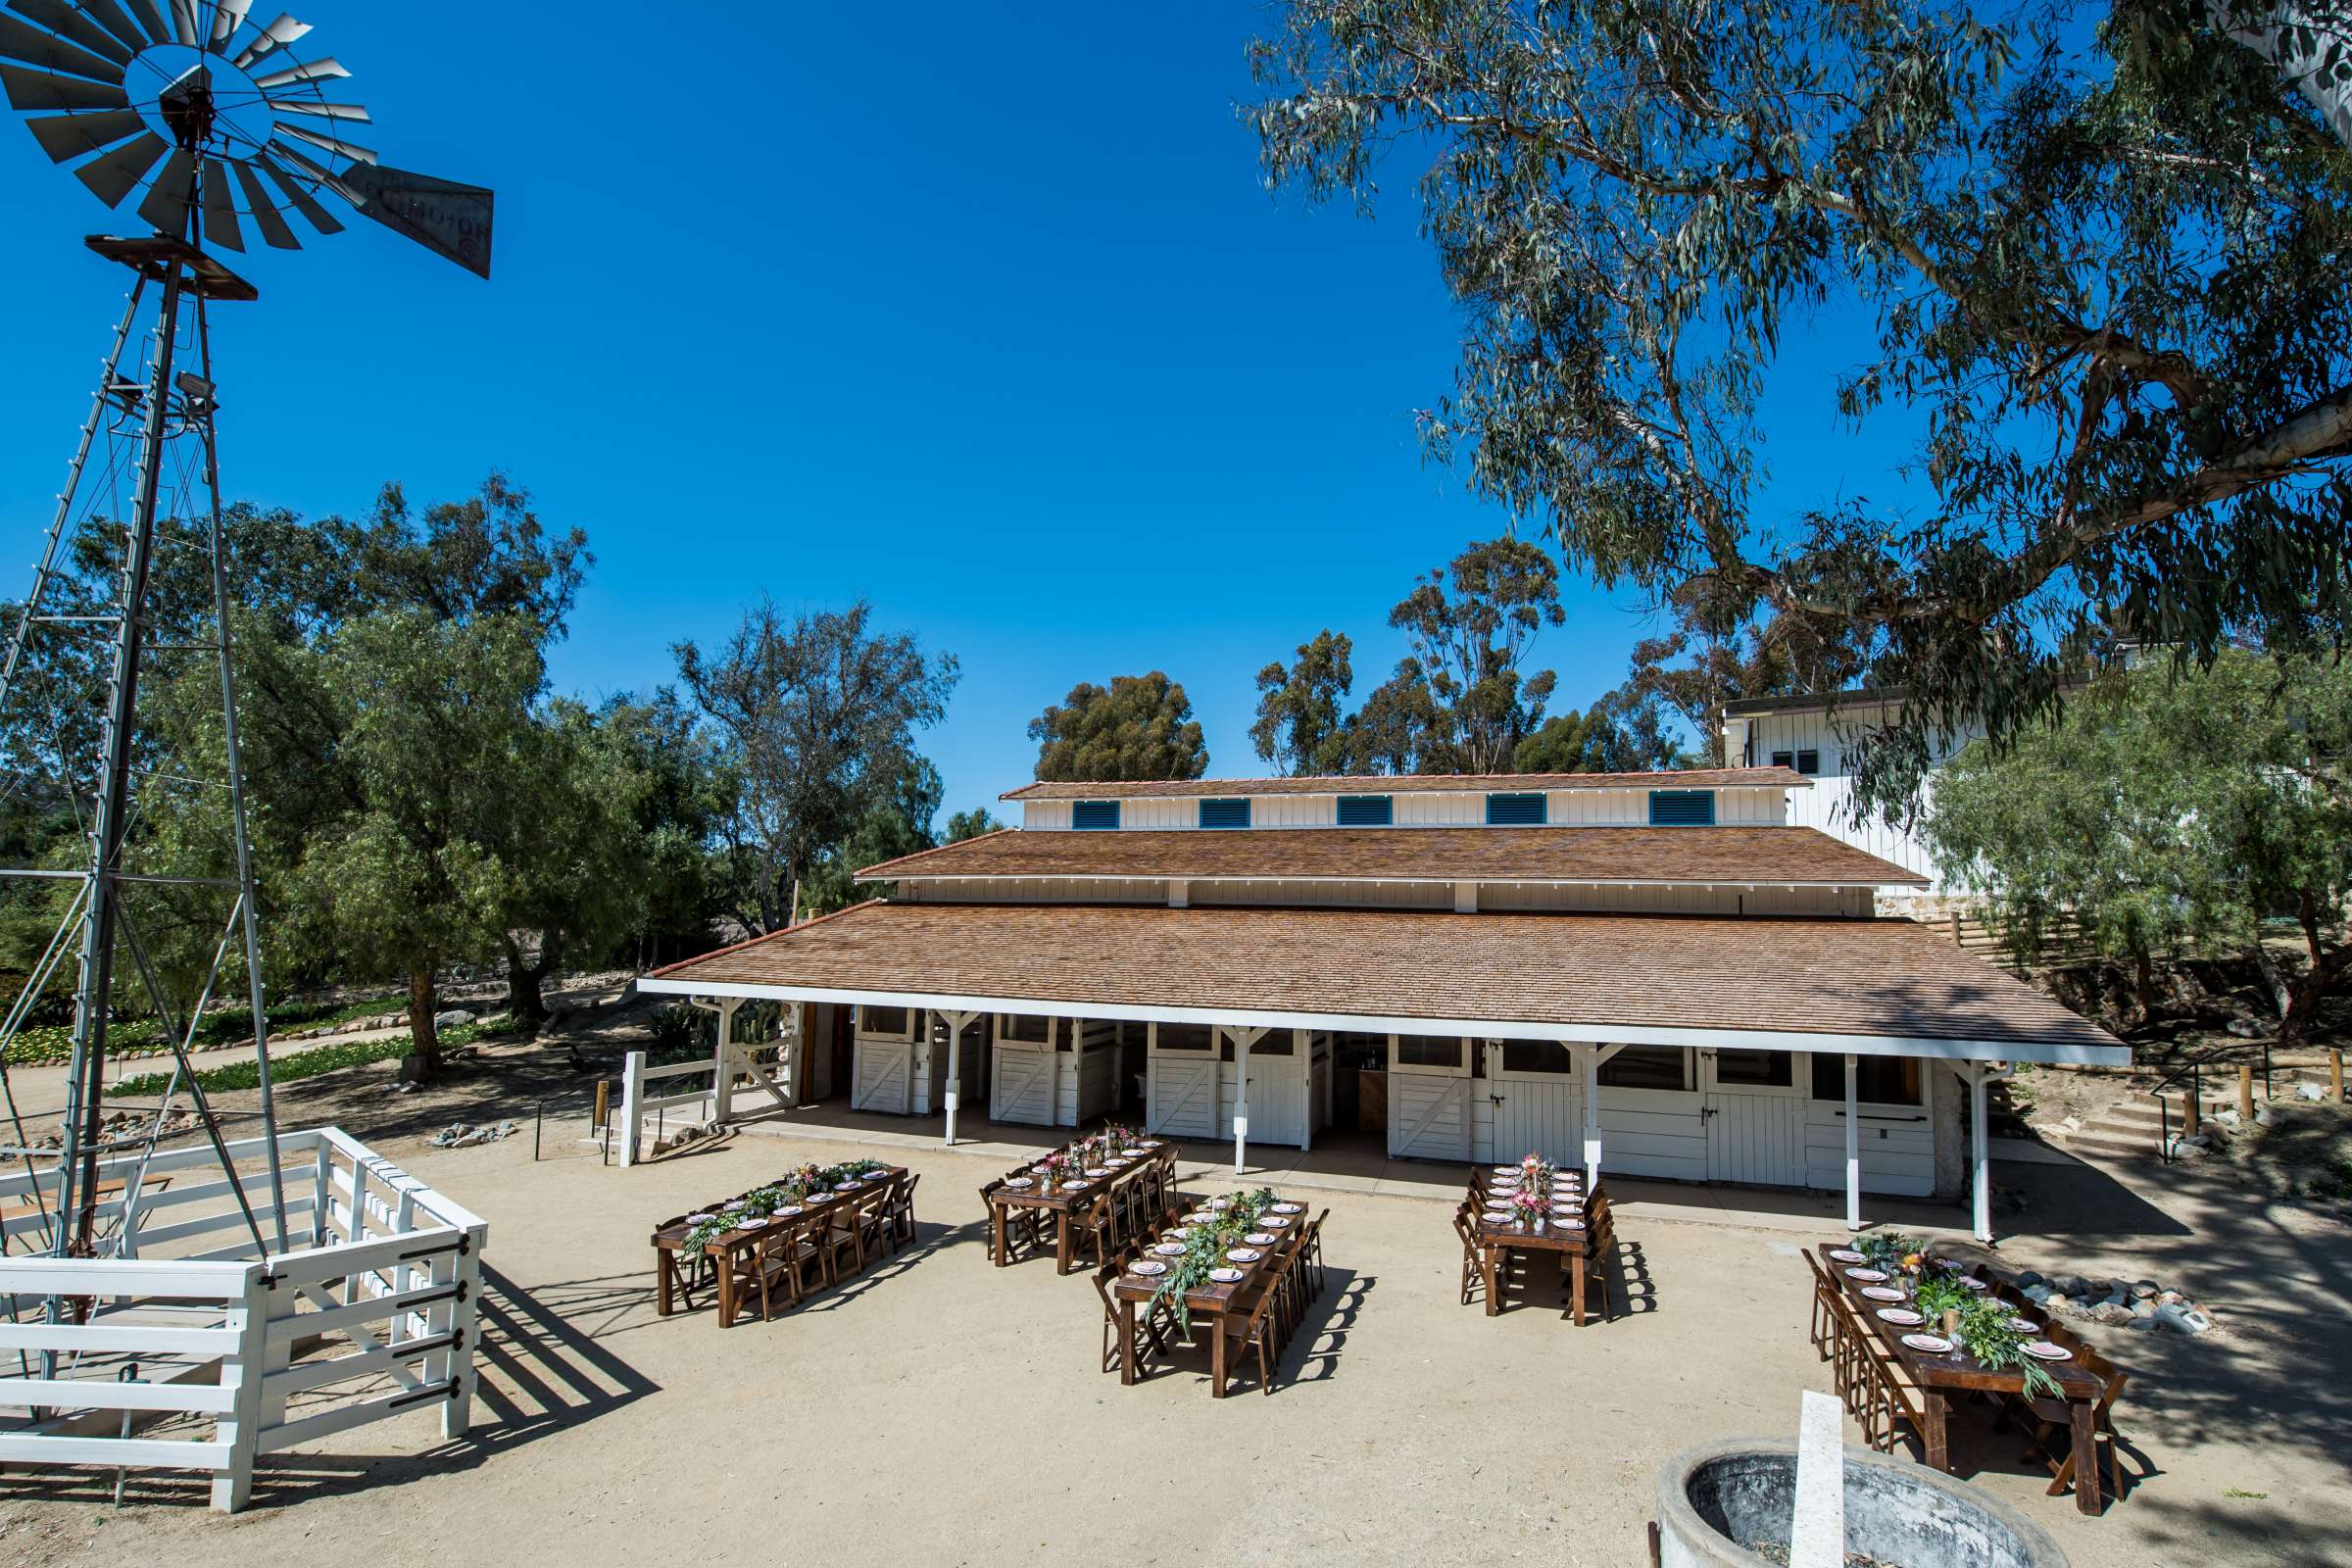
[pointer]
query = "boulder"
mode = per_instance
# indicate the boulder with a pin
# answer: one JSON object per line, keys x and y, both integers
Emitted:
{"x": 2029, "y": 1278}
{"x": 2143, "y": 1289}
{"x": 2111, "y": 1313}
{"x": 2311, "y": 1091}
{"x": 2184, "y": 1319}
{"x": 2170, "y": 1298}
{"x": 454, "y": 1018}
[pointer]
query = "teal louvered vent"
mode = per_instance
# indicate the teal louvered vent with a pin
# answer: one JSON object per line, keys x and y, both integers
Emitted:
{"x": 1095, "y": 814}
{"x": 1224, "y": 813}
{"x": 1367, "y": 811}
{"x": 1682, "y": 808}
{"x": 1514, "y": 810}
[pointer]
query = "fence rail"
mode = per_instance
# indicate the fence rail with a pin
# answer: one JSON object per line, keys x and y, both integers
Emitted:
{"x": 206, "y": 1360}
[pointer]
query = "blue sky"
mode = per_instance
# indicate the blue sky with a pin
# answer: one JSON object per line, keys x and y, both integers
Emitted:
{"x": 980, "y": 312}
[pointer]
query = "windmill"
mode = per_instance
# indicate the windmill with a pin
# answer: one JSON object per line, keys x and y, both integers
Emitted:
{"x": 210, "y": 127}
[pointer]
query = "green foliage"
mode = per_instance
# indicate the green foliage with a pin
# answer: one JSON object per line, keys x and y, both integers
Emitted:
{"x": 816, "y": 719}
{"x": 970, "y": 824}
{"x": 1301, "y": 725}
{"x": 296, "y": 1065}
{"x": 2171, "y": 809}
{"x": 893, "y": 824}
{"x": 2096, "y": 278}
{"x": 1606, "y": 738}
{"x": 1205, "y": 1248}
{"x": 1139, "y": 728}
{"x": 1718, "y": 653}
{"x": 54, "y": 1043}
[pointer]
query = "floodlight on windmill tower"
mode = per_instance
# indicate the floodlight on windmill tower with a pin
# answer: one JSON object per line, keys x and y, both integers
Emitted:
{"x": 212, "y": 127}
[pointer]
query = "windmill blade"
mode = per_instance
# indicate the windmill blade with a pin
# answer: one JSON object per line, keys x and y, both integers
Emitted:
{"x": 119, "y": 172}
{"x": 221, "y": 208}
{"x": 275, "y": 232}
{"x": 173, "y": 193}
{"x": 320, "y": 108}
{"x": 343, "y": 149}
{"x": 449, "y": 219}
{"x": 284, "y": 30}
{"x": 109, "y": 16}
{"x": 227, "y": 17}
{"x": 67, "y": 137}
{"x": 321, "y": 177}
{"x": 183, "y": 23}
{"x": 34, "y": 90}
{"x": 67, "y": 22}
{"x": 22, "y": 41}
{"x": 152, "y": 19}
{"x": 309, "y": 71}
{"x": 300, "y": 199}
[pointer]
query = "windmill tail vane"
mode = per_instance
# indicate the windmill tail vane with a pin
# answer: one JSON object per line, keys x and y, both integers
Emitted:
{"x": 212, "y": 124}
{"x": 215, "y": 121}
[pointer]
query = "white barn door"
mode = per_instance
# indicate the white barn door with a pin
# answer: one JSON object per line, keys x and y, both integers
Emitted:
{"x": 885, "y": 1069}
{"x": 1539, "y": 1102}
{"x": 1755, "y": 1117}
{"x": 1023, "y": 1091}
{"x": 1429, "y": 1098}
{"x": 1181, "y": 1077}
{"x": 1277, "y": 1085}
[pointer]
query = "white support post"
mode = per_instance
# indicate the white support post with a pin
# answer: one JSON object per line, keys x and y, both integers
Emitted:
{"x": 956, "y": 1022}
{"x": 465, "y": 1317}
{"x": 722, "y": 1077}
{"x": 1979, "y": 1081}
{"x": 1243, "y": 1039}
{"x": 1853, "y": 1142}
{"x": 632, "y": 1100}
{"x": 240, "y": 1427}
{"x": 1594, "y": 1056}
{"x": 1302, "y": 1048}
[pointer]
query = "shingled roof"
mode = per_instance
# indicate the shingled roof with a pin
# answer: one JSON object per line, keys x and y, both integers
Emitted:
{"x": 1867, "y": 984}
{"x": 1413, "y": 784}
{"x": 1777, "y": 856}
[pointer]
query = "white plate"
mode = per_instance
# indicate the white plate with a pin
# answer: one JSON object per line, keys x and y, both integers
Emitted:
{"x": 788, "y": 1211}
{"x": 1169, "y": 1248}
{"x": 1148, "y": 1143}
{"x": 1226, "y": 1276}
{"x": 2044, "y": 1351}
{"x": 700, "y": 1220}
{"x": 1098, "y": 1170}
{"x": 1258, "y": 1239}
{"x": 1147, "y": 1267}
{"x": 1290, "y": 1208}
{"x": 1971, "y": 1283}
{"x": 1846, "y": 1254}
{"x": 1178, "y": 1232}
{"x": 1017, "y": 1181}
{"x": 1274, "y": 1224}
{"x": 1244, "y": 1254}
{"x": 1073, "y": 1187}
{"x": 1881, "y": 1293}
{"x": 1506, "y": 1170}
{"x": 1868, "y": 1276}
{"x": 1569, "y": 1224}
{"x": 1119, "y": 1165}
{"x": 1902, "y": 1317}
{"x": 1932, "y": 1343}
{"x": 2025, "y": 1325}
{"x": 1037, "y": 1170}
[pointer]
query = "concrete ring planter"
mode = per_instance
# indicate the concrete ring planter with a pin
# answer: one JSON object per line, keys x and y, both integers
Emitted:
{"x": 1718, "y": 1499}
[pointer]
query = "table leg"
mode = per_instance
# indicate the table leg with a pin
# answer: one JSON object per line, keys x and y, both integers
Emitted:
{"x": 1485, "y": 1266}
{"x": 1935, "y": 1410}
{"x": 996, "y": 1234}
{"x": 1216, "y": 1358}
{"x": 2082, "y": 1417}
{"x": 1127, "y": 1367}
{"x": 1575, "y": 1262}
{"x": 663, "y": 1303}
{"x": 727, "y": 1293}
{"x": 1061, "y": 1242}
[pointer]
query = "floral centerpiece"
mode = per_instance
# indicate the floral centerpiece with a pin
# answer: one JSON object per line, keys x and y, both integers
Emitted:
{"x": 1984, "y": 1332}
{"x": 1205, "y": 1249}
{"x": 1529, "y": 1207}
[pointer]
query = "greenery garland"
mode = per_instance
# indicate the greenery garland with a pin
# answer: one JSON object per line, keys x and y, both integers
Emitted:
{"x": 1205, "y": 1250}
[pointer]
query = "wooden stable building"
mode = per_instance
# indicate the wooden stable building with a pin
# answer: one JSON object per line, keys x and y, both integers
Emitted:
{"x": 1656, "y": 972}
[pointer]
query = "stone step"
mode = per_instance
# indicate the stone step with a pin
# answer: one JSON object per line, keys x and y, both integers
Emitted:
{"x": 2117, "y": 1146}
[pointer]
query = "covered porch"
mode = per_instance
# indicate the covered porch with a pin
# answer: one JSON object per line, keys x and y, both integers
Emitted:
{"x": 1813, "y": 1054}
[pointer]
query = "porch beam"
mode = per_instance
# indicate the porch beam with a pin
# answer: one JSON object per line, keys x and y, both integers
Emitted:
{"x": 955, "y": 1026}
{"x": 1979, "y": 1138}
{"x": 1244, "y": 1038}
{"x": 1594, "y": 1056}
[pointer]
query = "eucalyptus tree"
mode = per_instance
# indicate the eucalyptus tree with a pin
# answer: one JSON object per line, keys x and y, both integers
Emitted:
{"x": 1137, "y": 727}
{"x": 2095, "y": 260}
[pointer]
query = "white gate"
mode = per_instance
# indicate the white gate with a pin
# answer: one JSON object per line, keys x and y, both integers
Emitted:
{"x": 1023, "y": 1091}
{"x": 1755, "y": 1121}
{"x": 1276, "y": 1090}
{"x": 884, "y": 1070}
{"x": 1429, "y": 1115}
{"x": 1539, "y": 1102}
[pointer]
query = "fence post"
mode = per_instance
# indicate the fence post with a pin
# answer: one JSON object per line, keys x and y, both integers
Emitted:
{"x": 240, "y": 1429}
{"x": 632, "y": 1101}
{"x": 2246, "y": 1093}
{"x": 722, "y": 1066}
{"x": 2335, "y": 1076}
{"x": 2192, "y": 1106}
{"x": 465, "y": 1318}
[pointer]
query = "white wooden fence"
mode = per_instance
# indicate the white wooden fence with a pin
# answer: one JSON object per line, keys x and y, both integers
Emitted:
{"x": 191, "y": 1350}
{"x": 766, "y": 1086}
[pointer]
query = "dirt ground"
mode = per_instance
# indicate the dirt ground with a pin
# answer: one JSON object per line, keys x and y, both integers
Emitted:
{"x": 939, "y": 1411}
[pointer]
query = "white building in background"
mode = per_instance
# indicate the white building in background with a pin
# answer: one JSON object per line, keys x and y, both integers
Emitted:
{"x": 1802, "y": 734}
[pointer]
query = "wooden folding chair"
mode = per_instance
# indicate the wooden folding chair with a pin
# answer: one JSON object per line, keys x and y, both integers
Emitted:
{"x": 1150, "y": 1331}
{"x": 1821, "y": 1327}
{"x": 901, "y": 1208}
{"x": 840, "y": 1238}
{"x": 1258, "y": 1329}
{"x": 1091, "y": 1227}
{"x": 2049, "y": 1432}
{"x": 1474, "y": 1278}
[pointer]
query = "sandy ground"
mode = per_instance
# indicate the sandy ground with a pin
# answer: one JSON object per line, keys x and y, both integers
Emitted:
{"x": 939, "y": 1411}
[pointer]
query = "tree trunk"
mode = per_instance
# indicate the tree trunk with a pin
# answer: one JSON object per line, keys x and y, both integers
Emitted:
{"x": 524, "y": 998}
{"x": 424, "y": 1000}
{"x": 2319, "y": 975}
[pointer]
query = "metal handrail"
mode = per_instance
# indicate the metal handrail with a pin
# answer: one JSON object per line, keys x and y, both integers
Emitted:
{"x": 2195, "y": 1075}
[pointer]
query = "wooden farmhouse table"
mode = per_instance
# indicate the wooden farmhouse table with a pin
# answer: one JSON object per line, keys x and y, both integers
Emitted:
{"x": 1209, "y": 1300}
{"x": 1937, "y": 1377}
{"x": 1068, "y": 1200}
{"x": 674, "y": 1271}
{"x": 1566, "y": 1237}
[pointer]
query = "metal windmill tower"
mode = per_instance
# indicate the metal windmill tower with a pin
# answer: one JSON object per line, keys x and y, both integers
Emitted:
{"x": 211, "y": 126}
